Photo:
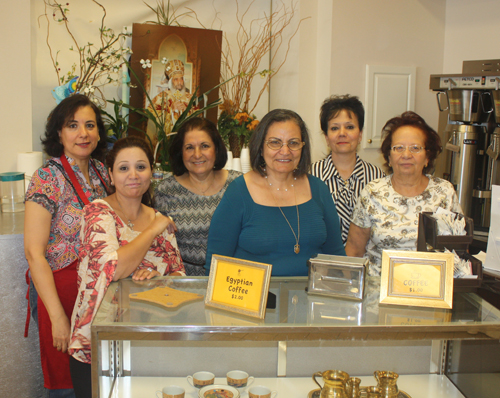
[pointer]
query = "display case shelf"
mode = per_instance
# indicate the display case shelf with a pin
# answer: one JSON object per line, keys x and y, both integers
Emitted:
{"x": 298, "y": 317}
{"x": 422, "y": 386}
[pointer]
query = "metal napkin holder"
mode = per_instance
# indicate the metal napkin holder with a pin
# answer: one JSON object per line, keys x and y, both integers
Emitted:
{"x": 337, "y": 276}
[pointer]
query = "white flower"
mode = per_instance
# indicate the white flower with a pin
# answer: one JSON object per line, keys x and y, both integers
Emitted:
{"x": 145, "y": 64}
{"x": 86, "y": 90}
{"x": 164, "y": 60}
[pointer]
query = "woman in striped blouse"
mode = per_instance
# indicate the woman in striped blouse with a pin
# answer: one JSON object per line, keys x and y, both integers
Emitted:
{"x": 342, "y": 119}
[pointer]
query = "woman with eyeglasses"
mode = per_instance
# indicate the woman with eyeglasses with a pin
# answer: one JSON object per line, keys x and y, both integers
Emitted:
{"x": 277, "y": 213}
{"x": 386, "y": 214}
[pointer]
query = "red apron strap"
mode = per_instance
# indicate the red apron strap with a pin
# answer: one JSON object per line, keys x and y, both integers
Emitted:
{"x": 28, "y": 315}
{"x": 74, "y": 181}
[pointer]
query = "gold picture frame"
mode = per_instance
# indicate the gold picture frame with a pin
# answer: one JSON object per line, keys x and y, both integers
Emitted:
{"x": 239, "y": 286}
{"x": 420, "y": 279}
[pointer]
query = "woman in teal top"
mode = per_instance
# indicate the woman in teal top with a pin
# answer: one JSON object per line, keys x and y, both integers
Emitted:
{"x": 277, "y": 213}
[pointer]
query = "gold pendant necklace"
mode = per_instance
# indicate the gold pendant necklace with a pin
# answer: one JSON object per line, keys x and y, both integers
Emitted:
{"x": 296, "y": 247}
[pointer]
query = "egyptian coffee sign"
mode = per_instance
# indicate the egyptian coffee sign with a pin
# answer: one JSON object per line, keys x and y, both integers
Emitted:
{"x": 238, "y": 285}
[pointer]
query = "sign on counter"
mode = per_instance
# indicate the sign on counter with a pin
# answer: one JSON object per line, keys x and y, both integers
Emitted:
{"x": 238, "y": 286}
{"x": 422, "y": 279}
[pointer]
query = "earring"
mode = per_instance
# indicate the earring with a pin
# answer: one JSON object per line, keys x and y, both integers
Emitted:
{"x": 112, "y": 183}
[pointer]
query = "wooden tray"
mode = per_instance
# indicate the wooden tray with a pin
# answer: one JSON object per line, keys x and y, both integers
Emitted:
{"x": 166, "y": 297}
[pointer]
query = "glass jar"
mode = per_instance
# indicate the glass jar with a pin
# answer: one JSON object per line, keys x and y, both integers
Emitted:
{"x": 12, "y": 191}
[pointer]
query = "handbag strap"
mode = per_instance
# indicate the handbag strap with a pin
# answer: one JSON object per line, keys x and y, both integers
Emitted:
{"x": 74, "y": 181}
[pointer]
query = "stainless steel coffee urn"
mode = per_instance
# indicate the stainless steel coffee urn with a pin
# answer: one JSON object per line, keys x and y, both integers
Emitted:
{"x": 472, "y": 133}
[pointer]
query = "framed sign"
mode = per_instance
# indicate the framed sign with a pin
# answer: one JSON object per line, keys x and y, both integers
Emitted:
{"x": 238, "y": 286}
{"x": 420, "y": 279}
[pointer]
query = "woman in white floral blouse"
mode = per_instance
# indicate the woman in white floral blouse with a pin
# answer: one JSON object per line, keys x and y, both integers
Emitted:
{"x": 386, "y": 214}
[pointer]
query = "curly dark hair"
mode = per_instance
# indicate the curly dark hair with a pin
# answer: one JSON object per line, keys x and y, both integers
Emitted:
{"x": 61, "y": 115}
{"x": 259, "y": 136}
{"x": 432, "y": 141}
{"x": 130, "y": 142}
{"x": 333, "y": 105}
{"x": 196, "y": 123}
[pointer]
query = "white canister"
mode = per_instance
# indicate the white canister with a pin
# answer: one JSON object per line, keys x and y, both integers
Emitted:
{"x": 229, "y": 163}
{"x": 245, "y": 160}
{"x": 237, "y": 164}
{"x": 12, "y": 192}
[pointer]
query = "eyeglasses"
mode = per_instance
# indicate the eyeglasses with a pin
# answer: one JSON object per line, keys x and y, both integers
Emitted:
{"x": 293, "y": 145}
{"x": 411, "y": 148}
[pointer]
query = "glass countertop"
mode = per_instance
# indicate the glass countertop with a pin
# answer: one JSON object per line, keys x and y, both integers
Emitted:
{"x": 297, "y": 316}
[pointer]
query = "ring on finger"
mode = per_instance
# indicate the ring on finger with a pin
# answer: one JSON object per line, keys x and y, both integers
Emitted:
{"x": 150, "y": 269}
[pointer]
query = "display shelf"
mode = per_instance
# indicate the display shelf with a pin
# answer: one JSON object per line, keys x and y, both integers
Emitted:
{"x": 298, "y": 317}
{"x": 417, "y": 386}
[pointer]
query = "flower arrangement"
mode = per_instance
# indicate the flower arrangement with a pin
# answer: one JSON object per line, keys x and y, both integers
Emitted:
{"x": 98, "y": 64}
{"x": 254, "y": 41}
{"x": 236, "y": 130}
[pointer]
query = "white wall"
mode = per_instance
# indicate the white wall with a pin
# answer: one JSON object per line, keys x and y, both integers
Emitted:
{"x": 340, "y": 38}
{"x": 15, "y": 82}
{"x": 472, "y": 32}
{"x": 389, "y": 33}
{"x": 328, "y": 55}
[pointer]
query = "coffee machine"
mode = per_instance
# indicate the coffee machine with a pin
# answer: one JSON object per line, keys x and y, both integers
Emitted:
{"x": 472, "y": 134}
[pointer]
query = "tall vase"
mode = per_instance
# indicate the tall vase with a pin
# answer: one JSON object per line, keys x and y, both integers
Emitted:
{"x": 245, "y": 160}
{"x": 237, "y": 164}
{"x": 229, "y": 163}
{"x": 235, "y": 144}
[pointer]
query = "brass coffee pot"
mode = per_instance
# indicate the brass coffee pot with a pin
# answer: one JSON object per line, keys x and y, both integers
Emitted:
{"x": 337, "y": 384}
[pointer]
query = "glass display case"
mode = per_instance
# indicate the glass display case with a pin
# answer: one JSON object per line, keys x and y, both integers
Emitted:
{"x": 138, "y": 348}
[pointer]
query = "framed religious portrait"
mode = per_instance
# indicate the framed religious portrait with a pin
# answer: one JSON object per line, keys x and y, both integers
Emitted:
{"x": 173, "y": 64}
{"x": 421, "y": 279}
{"x": 239, "y": 286}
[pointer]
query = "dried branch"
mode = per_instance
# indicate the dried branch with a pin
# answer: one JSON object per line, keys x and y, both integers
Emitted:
{"x": 254, "y": 42}
{"x": 97, "y": 65}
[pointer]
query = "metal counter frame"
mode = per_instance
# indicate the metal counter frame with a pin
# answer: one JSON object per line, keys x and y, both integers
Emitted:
{"x": 296, "y": 318}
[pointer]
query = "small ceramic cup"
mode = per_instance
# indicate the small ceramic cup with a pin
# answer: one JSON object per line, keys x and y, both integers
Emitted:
{"x": 201, "y": 379}
{"x": 171, "y": 392}
{"x": 239, "y": 379}
{"x": 261, "y": 392}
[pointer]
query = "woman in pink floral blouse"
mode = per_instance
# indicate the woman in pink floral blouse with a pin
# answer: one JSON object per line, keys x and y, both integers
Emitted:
{"x": 121, "y": 236}
{"x": 75, "y": 138}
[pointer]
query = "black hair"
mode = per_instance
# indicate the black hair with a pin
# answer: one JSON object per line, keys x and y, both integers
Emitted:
{"x": 60, "y": 116}
{"x": 176, "y": 146}
{"x": 333, "y": 105}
